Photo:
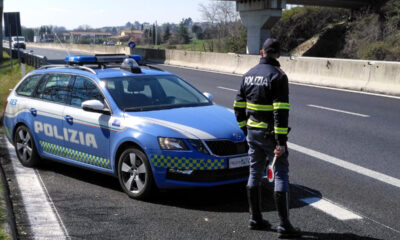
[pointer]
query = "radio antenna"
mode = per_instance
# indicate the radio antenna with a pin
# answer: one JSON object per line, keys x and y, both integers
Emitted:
{"x": 66, "y": 49}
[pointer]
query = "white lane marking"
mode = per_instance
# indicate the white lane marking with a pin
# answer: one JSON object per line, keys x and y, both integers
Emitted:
{"x": 343, "y": 164}
{"x": 337, "y": 110}
{"x": 294, "y": 83}
{"x": 331, "y": 208}
{"x": 328, "y": 206}
{"x": 347, "y": 165}
{"x": 44, "y": 219}
{"x": 345, "y": 90}
{"x": 230, "y": 89}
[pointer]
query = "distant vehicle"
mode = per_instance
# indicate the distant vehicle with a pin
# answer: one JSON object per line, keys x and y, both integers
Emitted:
{"x": 109, "y": 43}
{"x": 18, "y": 42}
{"x": 147, "y": 127}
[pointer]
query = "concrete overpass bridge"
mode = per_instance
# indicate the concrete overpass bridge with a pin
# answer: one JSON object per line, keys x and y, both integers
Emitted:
{"x": 259, "y": 16}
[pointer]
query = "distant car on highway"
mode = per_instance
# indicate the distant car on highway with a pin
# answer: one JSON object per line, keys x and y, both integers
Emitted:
{"x": 109, "y": 43}
{"x": 18, "y": 42}
{"x": 149, "y": 128}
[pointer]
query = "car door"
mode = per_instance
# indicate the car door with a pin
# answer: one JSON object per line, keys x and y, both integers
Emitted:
{"x": 88, "y": 141}
{"x": 20, "y": 105}
{"x": 47, "y": 110}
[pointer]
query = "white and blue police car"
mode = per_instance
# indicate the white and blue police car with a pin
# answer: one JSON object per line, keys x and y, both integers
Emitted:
{"x": 148, "y": 127}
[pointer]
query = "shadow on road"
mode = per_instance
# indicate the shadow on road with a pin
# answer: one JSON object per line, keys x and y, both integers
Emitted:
{"x": 228, "y": 198}
{"x": 335, "y": 236}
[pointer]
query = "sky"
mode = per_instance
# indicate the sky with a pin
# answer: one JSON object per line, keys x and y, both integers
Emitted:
{"x": 101, "y": 13}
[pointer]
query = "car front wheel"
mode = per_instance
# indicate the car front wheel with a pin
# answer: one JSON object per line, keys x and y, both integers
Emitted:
{"x": 134, "y": 173}
{"x": 25, "y": 147}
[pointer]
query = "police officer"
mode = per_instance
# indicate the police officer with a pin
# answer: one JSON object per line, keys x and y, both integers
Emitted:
{"x": 262, "y": 111}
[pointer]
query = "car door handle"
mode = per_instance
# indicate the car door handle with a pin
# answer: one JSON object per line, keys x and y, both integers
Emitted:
{"x": 68, "y": 118}
{"x": 33, "y": 111}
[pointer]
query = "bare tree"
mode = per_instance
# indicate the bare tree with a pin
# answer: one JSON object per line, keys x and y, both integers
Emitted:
{"x": 220, "y": 14}
{"x": 226, "y": 26}
{"x": 209, "y": 12}
{"x": 84, "y": 28}
{"x": 1, "y": 30}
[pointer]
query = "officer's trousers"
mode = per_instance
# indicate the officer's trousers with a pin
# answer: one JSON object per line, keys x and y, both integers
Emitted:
{"x": 259, "y": 148}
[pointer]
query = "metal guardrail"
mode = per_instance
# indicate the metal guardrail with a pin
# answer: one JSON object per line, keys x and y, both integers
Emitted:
{"x": 28, "y": 58}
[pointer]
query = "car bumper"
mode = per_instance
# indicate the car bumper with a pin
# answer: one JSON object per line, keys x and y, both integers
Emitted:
{"x": 195, "y": 170}
{"x": 21, "y": 45}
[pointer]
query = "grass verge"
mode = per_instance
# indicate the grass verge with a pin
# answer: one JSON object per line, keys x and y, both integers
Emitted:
{"x": 9, "y": 77}
{"x": 4, "y": 227}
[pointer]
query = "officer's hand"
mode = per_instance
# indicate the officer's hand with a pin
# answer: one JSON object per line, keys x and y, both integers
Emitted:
{"x": 279, "y": 150}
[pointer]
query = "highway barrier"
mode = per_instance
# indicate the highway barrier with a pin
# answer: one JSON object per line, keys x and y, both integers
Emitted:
{"x": 362, "y": 75}
{"x": 27, "y": 57}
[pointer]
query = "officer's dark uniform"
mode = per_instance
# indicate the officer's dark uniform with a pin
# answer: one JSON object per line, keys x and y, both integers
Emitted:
{"x": 262, "y": 111}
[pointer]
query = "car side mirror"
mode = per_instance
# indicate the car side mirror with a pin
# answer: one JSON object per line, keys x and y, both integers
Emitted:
{"x": 209, "y": 96}
{"x": 95, "y": 106}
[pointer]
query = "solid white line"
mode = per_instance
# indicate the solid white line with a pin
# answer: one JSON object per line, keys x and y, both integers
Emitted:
{"x": 337, "y": 110}
{"x": 294, "y": 83}
{"x": 347, "y": 165}
{"x": 230, "y": 89}
{"x": 44, "y": 219}
{"x": 343, "y": 164}
{"x": 346, "y": 90}
{"x": 330, "y": 208}
{"x": 201, "y": 70}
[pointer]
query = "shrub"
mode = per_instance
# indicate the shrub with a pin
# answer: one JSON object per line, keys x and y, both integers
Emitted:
{"x": 301, "y": 23}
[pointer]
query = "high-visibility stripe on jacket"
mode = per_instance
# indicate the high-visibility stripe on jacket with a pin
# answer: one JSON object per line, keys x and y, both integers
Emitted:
{"x": 263, "y": 99}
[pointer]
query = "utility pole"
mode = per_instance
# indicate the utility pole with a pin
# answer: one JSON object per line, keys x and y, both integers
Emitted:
{"x": 1, "y": 30}
{"x": 156, "y": 34}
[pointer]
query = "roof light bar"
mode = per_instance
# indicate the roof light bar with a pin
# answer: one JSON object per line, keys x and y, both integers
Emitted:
{"x": 100, "y": 59}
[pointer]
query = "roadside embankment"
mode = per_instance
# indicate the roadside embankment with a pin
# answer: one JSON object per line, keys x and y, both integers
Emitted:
{"x": 361, "y": 75}
{"x": 9, "y": 77}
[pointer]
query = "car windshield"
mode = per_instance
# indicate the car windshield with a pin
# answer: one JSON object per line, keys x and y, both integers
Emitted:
{"x": 20, "y": 39}
{"x": 146, "y": 93}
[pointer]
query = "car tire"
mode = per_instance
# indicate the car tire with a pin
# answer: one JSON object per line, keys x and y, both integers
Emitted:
{"x": 25, "y": 147}
{"x": 135, "y": 174}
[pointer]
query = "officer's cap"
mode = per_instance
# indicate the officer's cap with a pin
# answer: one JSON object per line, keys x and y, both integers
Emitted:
{"x": 271, "y": 45}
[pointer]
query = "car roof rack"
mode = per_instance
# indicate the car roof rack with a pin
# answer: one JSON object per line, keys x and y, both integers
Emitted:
{"x": 69, "y": 66}
{"x": 103, "y": 61}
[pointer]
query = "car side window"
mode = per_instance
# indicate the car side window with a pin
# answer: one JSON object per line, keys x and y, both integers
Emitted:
{"x": 84, "y": 89}
{"x": 56, "y": 88}
{"x": 28, "y": 86}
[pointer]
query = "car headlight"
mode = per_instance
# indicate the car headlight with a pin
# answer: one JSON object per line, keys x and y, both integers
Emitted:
{"x": 198, "y": 145}
{"x": 167, "y": 143}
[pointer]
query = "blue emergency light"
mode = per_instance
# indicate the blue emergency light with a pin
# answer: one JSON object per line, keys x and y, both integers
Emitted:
{"x": 101, "y": 59}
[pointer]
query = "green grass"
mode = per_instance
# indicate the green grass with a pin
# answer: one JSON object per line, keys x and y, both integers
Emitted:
{"x": 3, "y": 235}
{"x": 9, "y": 77}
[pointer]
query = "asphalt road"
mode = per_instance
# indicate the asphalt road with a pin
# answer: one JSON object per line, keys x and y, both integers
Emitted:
{"x": 357, "y": 132}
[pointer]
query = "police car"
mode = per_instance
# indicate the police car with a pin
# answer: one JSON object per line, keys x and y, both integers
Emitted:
{"x": 148, "y": 127}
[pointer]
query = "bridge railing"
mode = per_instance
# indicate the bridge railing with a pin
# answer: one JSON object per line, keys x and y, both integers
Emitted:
{"x": 27, "y": 57}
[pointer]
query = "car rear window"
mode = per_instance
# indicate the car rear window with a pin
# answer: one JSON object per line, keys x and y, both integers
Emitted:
{"x": 56, "y": 88}
{"x": 27, "y": 87}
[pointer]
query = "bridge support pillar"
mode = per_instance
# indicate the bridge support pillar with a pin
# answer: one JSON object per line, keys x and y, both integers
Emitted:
{"x": 259, "y": 16}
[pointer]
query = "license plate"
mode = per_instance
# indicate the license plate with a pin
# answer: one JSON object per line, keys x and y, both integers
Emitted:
{"x": 239, "y": 162}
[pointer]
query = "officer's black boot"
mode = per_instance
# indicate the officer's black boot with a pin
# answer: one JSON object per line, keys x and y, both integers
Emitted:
{"x": 285, "y": 228}
{"x": 256, "y": 221}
